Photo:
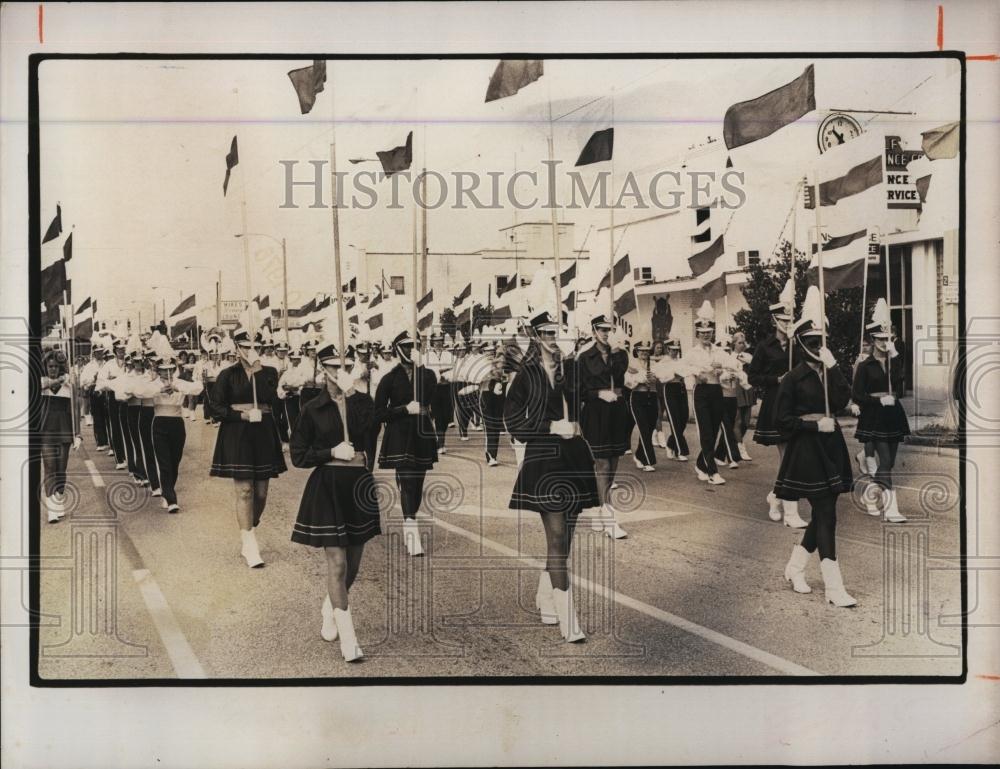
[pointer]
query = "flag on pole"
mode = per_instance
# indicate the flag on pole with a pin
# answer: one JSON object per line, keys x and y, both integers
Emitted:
{"x": 427, "y": 299}
{"x": 183, "y": 307}
{"x": 622, "y": 269}
{"x": 55, "y": 229}
{"x": 703, "y": 261}
{"x": 308, "y": 81}
{"x": 398, "y": 158}
{"x": 83, "y": 320}
{"x": 941, "y": 143}
{"x": 377, "y": 300}
{"x": 231, "y": 160}
{"x": 570, "y": 301}
{"x": 858, "y": 179}
{"x": 567, "y": 275}
{"x": 510, "y": 286}
{"x": 599, "y": 147}
{"x": 845, "y": 258}
{"x": 748, "y": 121}
{"x": 375, "y": 321}
{"x": 462, "y": 296}
{"x": 68, "y": 248}
{"x": 702, "y": 226}
{"x": 511, "y": 75}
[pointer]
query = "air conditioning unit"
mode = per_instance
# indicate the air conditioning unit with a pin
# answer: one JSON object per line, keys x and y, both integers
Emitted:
{"x": 643, "y": 274}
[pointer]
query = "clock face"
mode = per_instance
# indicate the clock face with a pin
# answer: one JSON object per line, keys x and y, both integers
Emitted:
{"x": 836, "y": 129}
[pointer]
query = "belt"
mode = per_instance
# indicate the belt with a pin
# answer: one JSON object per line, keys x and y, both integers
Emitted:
{"x": 263, "y": 407}
{"x": 813, "y": 417}
{"x": 166, "y": 410}
{"x": 358, "y": 461}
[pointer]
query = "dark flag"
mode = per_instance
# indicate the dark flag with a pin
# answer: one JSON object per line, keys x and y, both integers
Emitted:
{"x": 308, "y": 82}
{"x": 465, "y": 294}
{"x": 860, "y": 178}
{"x": 428, "y": 298}
{"x": 54, "y": 283}
{"x": 55, "y": 229}
{"x": 264, "y": 302}
{"x": 511, "y": 75}
{"x": 702, "y": 261}
{"x": 463, "y": 317}
{"x": 729, "y": 162}
{"x": 841, "y": 241}
{"x": 625, "y": 303}
{"x": 598, "y": 147}
{"x": 500, "y": 314}
{"x": 715, "y": 288}
{"x": 941, "y": 143}
{"x": 231, "y": 160}
{"x": 850, "y": 275}
{"x": 425, "y": 322}
{"x": 68, "y": 248}
{"x": 567, "y": 275}
{"x": 748, "y": 121}
{"x": 377, "y": 300}
{"x": 184, "y": 328}
{"x": 398, "y": 158}
{"x": 187, "y": 304}
{"x": 350, "y": 303}
{"x": 570, "y": 301}
{"x": 84, "y": 307}
{"x": 622, "y": 269}
{"x": 511, "y": 285}
{"x": 375, "y": 321}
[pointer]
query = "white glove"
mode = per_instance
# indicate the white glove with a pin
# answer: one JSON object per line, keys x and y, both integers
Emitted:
{"x": 343, "y": 451}
{"x": 891, "y": 349}
{"x": 826, "y": 425}
{"x": 855, "y": 409}
{"x": 254, "y": 415}
{"x": 413, "y": 408}
{"x": 887, "y": 400}
{"x": 744, "y": 357}
{"x": 498, "y": 389}
{"x": 608, "y": 396}
{"x": 77, "y": 442}
{"x": 563, "y": 428}
{"x": 826, "y": 357}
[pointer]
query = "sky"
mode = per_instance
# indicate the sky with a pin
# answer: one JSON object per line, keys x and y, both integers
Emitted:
{"x": 134, "y": 153}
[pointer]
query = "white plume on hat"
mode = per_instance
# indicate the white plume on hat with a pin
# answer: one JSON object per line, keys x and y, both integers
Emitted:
{"x": 812, "y": 309}
{"x": 160, "y": 345}
{"x": 541, "y": 294}
{"x": 880, "y": 315}
{"x": 133, "y": 344}
{"x": 226, "y": 346}
{"x": 787, "y": 297}
{"x": 706, "y": 312}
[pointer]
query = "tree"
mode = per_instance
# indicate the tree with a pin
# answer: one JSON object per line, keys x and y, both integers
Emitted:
{"x": 448, "y": 322}
{"x": 763, "y": 287}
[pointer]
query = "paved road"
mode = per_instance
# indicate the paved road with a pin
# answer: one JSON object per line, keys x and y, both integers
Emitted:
{"x": 696, "y": 589}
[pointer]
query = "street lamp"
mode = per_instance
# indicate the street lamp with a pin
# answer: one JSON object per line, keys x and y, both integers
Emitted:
{"x": 284, "y": 274}
{"x": 143, "y": 301}
{"x": 218, "y": 290}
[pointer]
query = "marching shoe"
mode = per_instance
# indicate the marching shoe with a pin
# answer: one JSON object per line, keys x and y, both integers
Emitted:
{"x": 543, "y": 600}
{"x": 88, "y": 420}
{"x": 716, "y": 480}
{"x": 164, "y": 504}
{"x": 795, "y": 569}
{"x": 329, "y": 630}
{"x": 596, "y": 523}
{"x": 628, "y": 452}
{"x": 54, "y": 510}
{"x": 891, "y": 507}
{"x": 451, "y": 424}
{"x": 411, "y": 538}
{"x": 872, "y": 463}
{"x": 791, "y": 517}
{"x": 834, "y": 582}
{"x": 611, "y": 527}
{"x": 872, "y": 496}
{"x": 442, "y": 450}
{"x": 173, "y": 508}
{"x": 657, "y": 439}
{"x": 101, "y": 448}
{"x": 648, "y": 469}
{"x": 156, "y": 493}
{"x": 682, "y": 457}
{"x": 569, "y": 624}
{"x": 671, "y": 454}
{"x": 250, "y": 551}
{"x": 744, "y": 453}
{"x": 111, "y": 452}
{"x": 638, "y": 464}
{"x": 733, "y": 465}
{"x": 121, "y": 465}
{"x": 464, "y": 438}
{"x": 702, "y": 475}
{"x": 348, "y": 640}
{"x": 492, "y": 462}
{"x": 774, "y": 507}
{"x": 614, "y": 485}
{"x": 862, "y": 464}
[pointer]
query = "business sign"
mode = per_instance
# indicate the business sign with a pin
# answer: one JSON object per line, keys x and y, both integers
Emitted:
{"x": 231, "y": 309}
{"x": 901, "y": 191}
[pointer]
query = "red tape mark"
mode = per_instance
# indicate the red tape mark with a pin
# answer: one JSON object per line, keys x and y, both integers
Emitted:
{"x": 989, "y": 678}
{"x": 940, "y": 28}
{"x": 41, "y": 23}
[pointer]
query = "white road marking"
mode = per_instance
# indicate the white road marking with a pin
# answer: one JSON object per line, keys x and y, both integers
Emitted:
{"x": 95, "y": 474}
{"x": 181, "y": 654}
{"x": 713, "y": 636}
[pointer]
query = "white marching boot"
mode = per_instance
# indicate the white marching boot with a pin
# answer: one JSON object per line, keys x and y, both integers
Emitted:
{"x": 609, "y": 523}
{"x": 744, "y": 453}
{"x": 872, "y": 496}
{"x": 329, "y": 630}
{"x": 834, "y": 582}
{"x": 795, "y": 569}
{"x": 569, "y": 624}
{"x": 891, "y": 507}
{"x": 872, "y": 464}
{"x": 774, "y": 507}
{"x": 250, "y": 551}
{"x": 544, "y": 601}
{"x": 411, "y": 538}
{"x": 348, "y": 640}
{"x": 53, "y": 509}
{"x": 862, "y": 464}
{"x": 791, "y": 516}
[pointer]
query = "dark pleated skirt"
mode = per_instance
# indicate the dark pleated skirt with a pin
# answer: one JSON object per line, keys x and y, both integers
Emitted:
{"x": 409, "y": 443}
{"x": 766, "y": 432}
{"x": 339, "y": 508}
{"x": 248, "y": 451}
{"x": 557, "y": 476}
{"x": 606, "y": 427}
{"x": 882, "y": 423}
{"x": 814, "y": 465}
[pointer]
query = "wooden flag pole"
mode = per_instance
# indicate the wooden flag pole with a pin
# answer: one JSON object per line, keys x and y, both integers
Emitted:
{"x": 888, "y": 302}
{"x": 791, "y": 265}
{"x": 335, "y": 211}
{"x": 864, "y": 301}
{"x": 246, "y": 257}
{"x": 611, "y": 231}
{"x": 555, "y": 246}
{"x": 415, "y": 298}
{"x": 822, "y": 294}
{"x": 70, "y": 370}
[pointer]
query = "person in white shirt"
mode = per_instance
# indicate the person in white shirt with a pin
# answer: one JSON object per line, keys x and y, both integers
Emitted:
{"x": 58, "y": 429}
{"x": 440, "y": 361}
{"x": 289, "y": 385}
{"x": 706, "y": 366}
{"x": 95, "y": 399}
{"x": 168, "y": 427}
{"x": 112, "y": 370}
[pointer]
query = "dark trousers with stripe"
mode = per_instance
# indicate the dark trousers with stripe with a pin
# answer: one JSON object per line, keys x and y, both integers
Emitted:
{"x": 708, "y": 416}
{"x": 728, "y": 449}
{"x": 411, "y": 490}
{"x": 643, "y": 408}
{"x": 464, "y": 408}
{"x": 98, "y": 410}
{"x": 55, "y": 458}
{"x": 441, "y": 410}
{"x": 133, "y": 442}
{"x": 491, "y": 407}
{"x": 146, "y": 439}
{"x": 116, "y": 433}
{"x": 675, "y": 406}
{"x": 206, "y": 408}
{"x": 291, "y": 411}
{"x": 168, "y": 447}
